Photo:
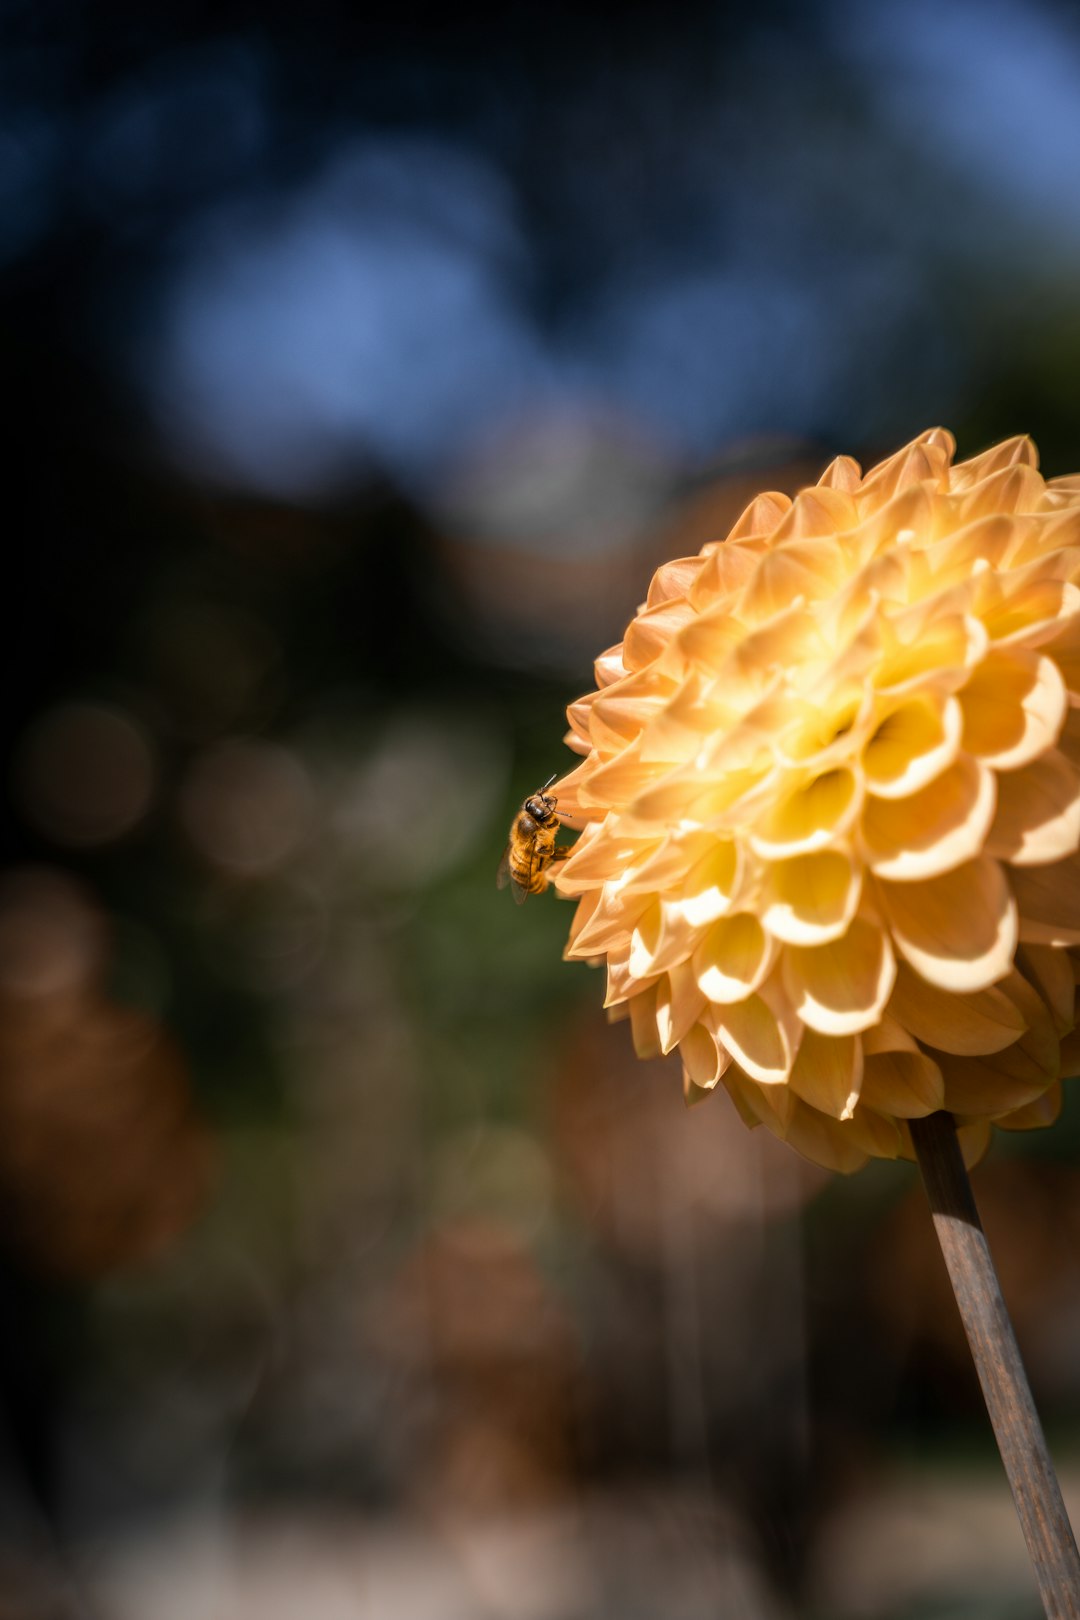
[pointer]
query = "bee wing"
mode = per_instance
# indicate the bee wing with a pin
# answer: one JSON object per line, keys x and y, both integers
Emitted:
{"x": 503, "y": 876}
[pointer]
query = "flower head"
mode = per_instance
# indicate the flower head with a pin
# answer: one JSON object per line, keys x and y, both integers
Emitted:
{"x": 831, "y": 804}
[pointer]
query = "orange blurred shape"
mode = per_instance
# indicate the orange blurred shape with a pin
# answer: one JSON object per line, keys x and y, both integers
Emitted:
{"x": 52, "y": 941}
{"x": 102, "y": 1159}
{"x": 639, "y": 1164}
{"x": 471, "y": 1319}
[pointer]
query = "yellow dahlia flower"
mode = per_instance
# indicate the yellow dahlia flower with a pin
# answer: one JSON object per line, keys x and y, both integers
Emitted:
{"x": 831, "y": 804}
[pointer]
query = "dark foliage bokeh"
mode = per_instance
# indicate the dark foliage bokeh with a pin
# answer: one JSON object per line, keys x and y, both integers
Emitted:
{"x": 360, "y": 367}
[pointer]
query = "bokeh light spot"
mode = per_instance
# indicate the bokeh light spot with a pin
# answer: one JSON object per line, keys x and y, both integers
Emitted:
{"x": 247, "y": 805}
{"x": 85, "y": 774}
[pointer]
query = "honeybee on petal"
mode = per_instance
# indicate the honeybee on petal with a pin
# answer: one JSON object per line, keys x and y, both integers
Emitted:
{"x": 532, "y": 848}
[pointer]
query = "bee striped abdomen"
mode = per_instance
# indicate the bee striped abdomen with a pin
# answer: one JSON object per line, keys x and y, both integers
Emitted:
{"x": 528, "y": 869}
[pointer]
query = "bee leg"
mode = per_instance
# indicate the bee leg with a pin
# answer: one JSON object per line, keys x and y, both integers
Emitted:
{"x": 561, "y": 851}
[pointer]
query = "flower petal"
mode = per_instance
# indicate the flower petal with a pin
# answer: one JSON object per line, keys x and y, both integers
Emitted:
{"x": 810, "y": 568}
{"x": 875, "y": 1133}
{"x": 812, "y": 817}
{"x": 661, "y": 937}
{"x": 1030, "y": 610}
{"x": 933, "y": 830}
{"x": 958, "y": 930}
{"x": 643, "y": 1024}
{"x": 1050, "y": 971}
{"x": 1038, "y": 813}
{"x": 912, "y": 744}
{"x": 924, "y": 459}
{"x": 1015, "y": 1076}
{"x": 615, "y": 782}
{"x": 899, "y": 1079}
{"x": 674, "y": 579}
{"x": 726, "y": 570}
{"x": 703, "y": 1059}
{"x": 603, "y": 922}
{"x": 1034, "y": 1115}
{"x": 841, "y": 987}
{"x": 679, "y": 1003}
{"x": 756, "y": 1039}
{"x": 828, "y": 1073}
{"x": 621, "y": 983}
{"x": 609, "y": 667}
{"x": 677, "y": 728}
{"x": 811, "y": 898}
{"x": 767, "y": 1104}
{"x": 929, "y": 645}
{"x": 973, "y": 1087}
{"x": 670, "y": 860}
{"x": 1017, "y": 451}
{"x": 651, "y": 631}
{"x": 843, "y": 472}
{"x": 761, "y": 517}
{"x": 733, "y": 958}
{"x": 1049, "y": 902}
{"x": 828, "y": 1142}
{"x": 711, "y": 884}
{"x": 970, "y": 1025}
{"x": 1018, "y": 488}
{"x": 602, "y": 853}
{"x": 974, "y": 1139}
{"x": 1014, "y": 707}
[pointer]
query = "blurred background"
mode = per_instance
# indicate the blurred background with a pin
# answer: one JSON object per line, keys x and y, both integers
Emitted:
{"x": 360, "y": 369}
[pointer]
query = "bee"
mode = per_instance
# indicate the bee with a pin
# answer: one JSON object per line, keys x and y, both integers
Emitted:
{"x": 532, "y": 847}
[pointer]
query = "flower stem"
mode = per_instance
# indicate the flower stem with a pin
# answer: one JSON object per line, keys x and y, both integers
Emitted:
{"x": 1036, "y": 1492}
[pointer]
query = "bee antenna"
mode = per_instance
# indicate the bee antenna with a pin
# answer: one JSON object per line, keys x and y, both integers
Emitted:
{"x": 549, "y": 781}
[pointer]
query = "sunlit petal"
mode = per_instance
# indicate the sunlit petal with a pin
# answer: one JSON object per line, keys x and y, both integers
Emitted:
{"x": 1014, "y": 707}
{"x": 703, "y": 1058}
{"x": 812, "y": 817}
{"x": 959, "y": 930}
{"x": 911, "y": 744}
{"x": 733, "y": 958}
{"x": 679, "y": 1003}
{"x": 710, "y": 886}
{"x": 643, "y": 1024}
{"x": 843, "y": 986}
{"x": 1038, "y": 813}
{"x": 933, "y": 830}
{"x": 828, "y": 1072}
{"x": 811, "y": 898}
{"x": 757, "y": 1040}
